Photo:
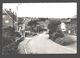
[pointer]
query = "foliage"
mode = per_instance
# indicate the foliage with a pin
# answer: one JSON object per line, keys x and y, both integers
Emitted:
{"x": 9, "y": 35}
{"x": 9, "y": 43}
{"x": 10, "y": 49}
{"x": 32, "y": 23}
{"x": 54, "y": 30}
{"x": 20, "y": 21}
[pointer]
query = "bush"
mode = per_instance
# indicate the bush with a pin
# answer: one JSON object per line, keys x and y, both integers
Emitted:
{"x": 64, "y": 41}
{"x": 8, "y": 36}
{"x": 10, "y": 49}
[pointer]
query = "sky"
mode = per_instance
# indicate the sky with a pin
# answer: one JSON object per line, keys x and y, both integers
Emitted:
{"x": 45, "y": 10}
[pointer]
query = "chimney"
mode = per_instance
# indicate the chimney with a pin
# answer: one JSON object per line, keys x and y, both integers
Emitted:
{"x": 10, "y": 9}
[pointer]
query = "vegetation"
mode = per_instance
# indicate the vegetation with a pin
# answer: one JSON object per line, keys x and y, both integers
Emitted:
{"x": 9, "y": 44}
{"x": 57, "y": 35}
{"x": 54, "y": 31}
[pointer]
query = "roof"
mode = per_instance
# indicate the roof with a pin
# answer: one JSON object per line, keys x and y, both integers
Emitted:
{"x": 3, "y": 12}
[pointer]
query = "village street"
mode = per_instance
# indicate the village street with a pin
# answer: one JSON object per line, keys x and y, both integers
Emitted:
{"x": 40, "y": 44}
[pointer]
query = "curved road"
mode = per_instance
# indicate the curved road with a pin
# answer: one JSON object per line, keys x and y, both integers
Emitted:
{"x": 40, "y": 44}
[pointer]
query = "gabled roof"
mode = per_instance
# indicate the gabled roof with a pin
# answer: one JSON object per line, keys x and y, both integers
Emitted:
{"x": 4, "y": 13}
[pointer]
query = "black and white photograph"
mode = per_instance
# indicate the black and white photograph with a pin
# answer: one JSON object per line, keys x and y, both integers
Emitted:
{"x": 39, "y": 28}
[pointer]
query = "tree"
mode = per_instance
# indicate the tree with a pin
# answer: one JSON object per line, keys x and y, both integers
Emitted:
{"x": 54, "y": 32}
{"x": 33, "y": 24}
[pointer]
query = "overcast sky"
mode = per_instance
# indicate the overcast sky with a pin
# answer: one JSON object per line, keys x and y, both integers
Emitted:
{"x": 47, "y": 10}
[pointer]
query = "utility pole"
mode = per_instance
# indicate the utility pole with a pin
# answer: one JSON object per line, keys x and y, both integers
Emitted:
{"x": 17, "y": 8}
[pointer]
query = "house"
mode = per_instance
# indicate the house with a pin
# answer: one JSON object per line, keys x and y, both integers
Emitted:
{"x": 8, "y": 19}
{"x": 71, "y": 25}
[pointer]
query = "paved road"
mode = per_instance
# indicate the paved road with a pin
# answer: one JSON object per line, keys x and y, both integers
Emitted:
{"x": 40, "y": 44}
